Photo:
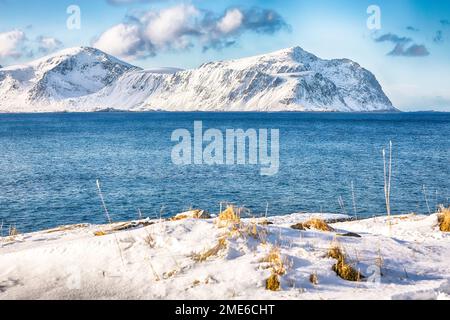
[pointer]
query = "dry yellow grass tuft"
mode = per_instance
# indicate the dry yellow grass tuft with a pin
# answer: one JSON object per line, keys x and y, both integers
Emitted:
{"x": 214, "y": 251}
{"x": 254, "y": 231}
{"x": 336, "y": 253}
{"x": 228, "y": 217}
{"x": 275, "y": 261}
{"x": 229, "y": 214}
{"x": 193, "y": 214}
{"x": 444, "y": 219}
{"x": 342, "y": 268}
{"x": 346, "y": 271}
{"x": 13, "y": 231}
{"x": 276, "y": 264}
{"x": 273, "y": 283}
{"x": 317, "y": 224}
{"x": 314, "y": 279}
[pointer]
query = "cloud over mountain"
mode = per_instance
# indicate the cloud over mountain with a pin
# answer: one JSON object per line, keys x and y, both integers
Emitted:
{"x": 14, "y": 44}
{"x": 11, "y": 43}
{"x": 181, "y": 27}
{"x": 404, "y": 46}
{"x": 48, "y": 44}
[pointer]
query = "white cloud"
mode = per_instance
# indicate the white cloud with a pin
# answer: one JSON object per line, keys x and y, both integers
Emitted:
{"x": 231, "y": 22}
{"x": 170, "y": 27}
{"x": 48, "y": 44}
{"x": 14, "y": 44}
{"x": 180, "y": 27}
{"x": 122, "y": 40}
{"x": 11, "y": 43}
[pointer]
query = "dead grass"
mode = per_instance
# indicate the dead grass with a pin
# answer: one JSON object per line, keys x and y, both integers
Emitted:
{"x": 150, "y": 241}
{"x": 342, "y": 268}
{"x": 317, "y": 224}
{"x": 214, "y": 251}
{"x": 230, "y": 216}
{"x": 273, "y": 283}
{"x": 346, "y": 271}
{"x": 252, "y": 230}
{"x": 275, "y": 261}
{"x": 444, "y": 219}
{"x": 314, "y": 279}
{"x": 336, "y": 253}
{"x": 12, "y": 232}
{"x": 193, "y": 214}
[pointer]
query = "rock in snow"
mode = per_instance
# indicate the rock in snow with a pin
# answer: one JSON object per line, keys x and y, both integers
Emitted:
{"x": 87, "y": 79}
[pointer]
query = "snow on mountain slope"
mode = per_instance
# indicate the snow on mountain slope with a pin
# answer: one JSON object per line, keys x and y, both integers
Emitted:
{"x": 50, "y": 80}
{"x": 286, "y": 80}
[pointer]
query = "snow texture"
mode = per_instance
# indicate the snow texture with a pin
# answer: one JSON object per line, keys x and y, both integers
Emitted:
{"x": 155, "y": 261}
{"x": 86, "y": 79}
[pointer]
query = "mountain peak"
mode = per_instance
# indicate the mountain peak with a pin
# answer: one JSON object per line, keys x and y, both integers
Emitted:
{"x": 82, "y": 53}
{"x": 292, "y": 79}
{"x": 296, "y": 52}
{"x": 69, "y": 73}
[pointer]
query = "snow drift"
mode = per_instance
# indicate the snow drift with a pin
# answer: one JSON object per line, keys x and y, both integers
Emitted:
{"x": 195, "y": 258}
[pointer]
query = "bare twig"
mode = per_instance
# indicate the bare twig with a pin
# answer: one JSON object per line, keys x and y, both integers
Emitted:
{"x": 426, "y": 199}
{"x": 354, "y": 201}
{"x": 109, "y": 218}
{"x": 103, "y": 202}
{"x": 341, "y": 203}
{"x": 387, "y": 182}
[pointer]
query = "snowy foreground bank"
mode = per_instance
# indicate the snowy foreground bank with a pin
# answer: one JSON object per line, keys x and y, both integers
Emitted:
{"x": 214, "y": 258}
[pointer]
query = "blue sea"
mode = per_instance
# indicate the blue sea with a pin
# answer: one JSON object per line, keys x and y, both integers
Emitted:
{"x": 49, "y": 164}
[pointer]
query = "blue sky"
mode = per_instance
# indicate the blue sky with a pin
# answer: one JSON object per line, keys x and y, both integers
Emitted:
{"x": 410, "y": 54}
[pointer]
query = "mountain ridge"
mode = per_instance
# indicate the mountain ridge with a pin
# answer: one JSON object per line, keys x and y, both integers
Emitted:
{"x": 86, "y": 79}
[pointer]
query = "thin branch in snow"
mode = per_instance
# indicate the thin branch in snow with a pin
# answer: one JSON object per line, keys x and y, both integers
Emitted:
{"x": 109, "y": 218}
{"x": 354, "y": 201}
{"x": 426, "y": 198}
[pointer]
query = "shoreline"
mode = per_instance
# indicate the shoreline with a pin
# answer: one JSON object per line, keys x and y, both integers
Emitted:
{"x": 221, "y": 111}
{"x": 190, "y": 258}
{"x": 330, "y": 218}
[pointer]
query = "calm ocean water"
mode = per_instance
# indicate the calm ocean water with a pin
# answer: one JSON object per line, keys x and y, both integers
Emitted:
{"x": 49, "y": 164}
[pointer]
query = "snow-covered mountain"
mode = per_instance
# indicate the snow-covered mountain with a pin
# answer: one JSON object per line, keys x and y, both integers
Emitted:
{"x": 46, "y": 84}
{"x": 86, "y": 79}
